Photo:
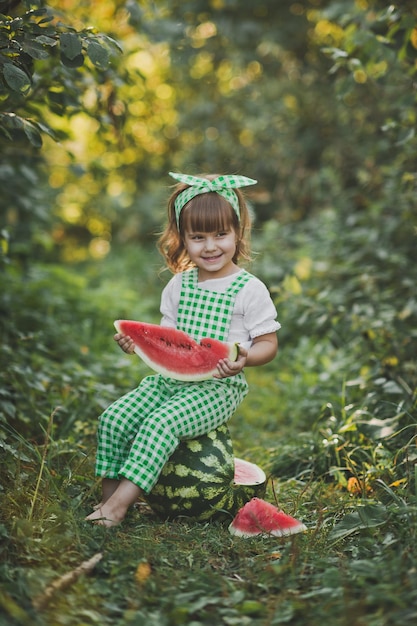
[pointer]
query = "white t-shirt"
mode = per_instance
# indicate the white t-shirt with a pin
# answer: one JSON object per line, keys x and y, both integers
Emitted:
{"x": 254, "y": 313}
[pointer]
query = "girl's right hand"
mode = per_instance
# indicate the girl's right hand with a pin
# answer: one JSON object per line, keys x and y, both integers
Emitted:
{"x": 125, "y": 342}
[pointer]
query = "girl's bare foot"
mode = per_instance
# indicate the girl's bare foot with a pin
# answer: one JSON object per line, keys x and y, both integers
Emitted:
{"x": 104, "y": 517}
{"x": 108, "y": 486}
{"x": 113, "y": 510}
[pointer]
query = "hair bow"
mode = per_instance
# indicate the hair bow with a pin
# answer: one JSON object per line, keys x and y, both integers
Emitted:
{"x": 223, "y": 185}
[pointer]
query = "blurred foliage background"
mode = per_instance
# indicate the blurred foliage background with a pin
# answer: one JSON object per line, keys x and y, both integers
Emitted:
{"x": 315, "y": 99}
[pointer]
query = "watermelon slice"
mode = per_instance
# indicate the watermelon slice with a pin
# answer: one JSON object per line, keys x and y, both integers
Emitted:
{"x": 260, "y": 518}
{"x": 173, "y": 353}
{"x": 247, "y": 473}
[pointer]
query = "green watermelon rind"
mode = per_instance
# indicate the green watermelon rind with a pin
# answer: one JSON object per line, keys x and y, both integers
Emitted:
{"x": 198, "y": 481}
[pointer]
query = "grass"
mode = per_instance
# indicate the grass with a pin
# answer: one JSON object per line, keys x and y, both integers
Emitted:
{"x": 314, "y": 435}
{"x": 356, "y": 563}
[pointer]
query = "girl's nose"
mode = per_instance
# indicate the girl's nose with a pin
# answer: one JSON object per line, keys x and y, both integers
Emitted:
{"x": 210, "y": 243}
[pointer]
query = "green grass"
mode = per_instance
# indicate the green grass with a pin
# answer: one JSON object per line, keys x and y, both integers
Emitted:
{"x": 354, "y": 565}
{"x": 321, "y": 415}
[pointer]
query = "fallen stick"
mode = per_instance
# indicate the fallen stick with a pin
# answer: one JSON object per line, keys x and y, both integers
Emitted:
{"x": 41, "y": 601}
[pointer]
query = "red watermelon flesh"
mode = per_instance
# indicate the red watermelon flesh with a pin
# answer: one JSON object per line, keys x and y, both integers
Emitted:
{"x": 173, "y": 353}
{"x": 260, "y": 518}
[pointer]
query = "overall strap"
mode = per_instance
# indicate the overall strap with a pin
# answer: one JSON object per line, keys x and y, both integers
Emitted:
{"x": 189, "y": 278}
{"x": 240, "y": 281}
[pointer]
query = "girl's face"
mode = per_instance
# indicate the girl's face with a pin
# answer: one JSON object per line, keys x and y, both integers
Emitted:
{"x": 212, "y": 252}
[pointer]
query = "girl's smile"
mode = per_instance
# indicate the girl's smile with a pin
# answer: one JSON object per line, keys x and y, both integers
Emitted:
{"x": 212, "y": 252}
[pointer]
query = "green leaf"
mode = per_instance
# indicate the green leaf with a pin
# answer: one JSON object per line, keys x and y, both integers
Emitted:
{"x": 112, "y": 43}
{"x": 11, "y": 120}
{"x": 5, "y": 132}
{"x": 368, "y": 516}
{"x": 71, "y": 45}
{"x": 77, "y": 61}
{"x": 98, "y": 54}
{"x": 46, "y": 129}
{"x": 379, "y": 428}
{"x": 40, "y": 11}
{"x": 46, "y": 41}
{"x": 35, "y": 49}
{"x": 32, "y": 133}
{"x": 16, "y": 78}
{"x": 15, "y": 451}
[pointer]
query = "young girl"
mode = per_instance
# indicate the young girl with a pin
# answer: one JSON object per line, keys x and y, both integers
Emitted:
{"x": 209, "y": 296}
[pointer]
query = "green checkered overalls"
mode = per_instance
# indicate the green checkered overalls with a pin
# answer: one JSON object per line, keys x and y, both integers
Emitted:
{"x": 139, "y": 432}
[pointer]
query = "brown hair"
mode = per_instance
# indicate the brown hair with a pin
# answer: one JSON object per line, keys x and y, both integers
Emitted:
{"x": 205, "y": 213}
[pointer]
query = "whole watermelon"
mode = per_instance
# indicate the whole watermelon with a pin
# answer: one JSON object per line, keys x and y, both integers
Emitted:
{"x": 198, "y": 481}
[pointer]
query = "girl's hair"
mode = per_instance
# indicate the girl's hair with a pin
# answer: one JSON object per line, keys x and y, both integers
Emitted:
{"x": 206, "y": 213}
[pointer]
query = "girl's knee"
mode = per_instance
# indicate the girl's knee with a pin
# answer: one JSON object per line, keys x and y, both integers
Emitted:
{"x": 111, "y": 421}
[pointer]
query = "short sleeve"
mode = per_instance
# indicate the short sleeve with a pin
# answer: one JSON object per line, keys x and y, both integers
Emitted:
{"x": 170, "y": 298}
{"x": 258, "y": 310}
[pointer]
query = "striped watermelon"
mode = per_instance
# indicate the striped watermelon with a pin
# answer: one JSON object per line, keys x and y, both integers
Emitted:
{"x": 202, "y": 480}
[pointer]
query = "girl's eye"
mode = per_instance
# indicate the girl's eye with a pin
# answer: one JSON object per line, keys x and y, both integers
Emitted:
{"x": 201, "y": 236}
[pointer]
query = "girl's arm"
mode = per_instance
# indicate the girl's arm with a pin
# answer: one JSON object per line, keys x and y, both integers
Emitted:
{"x": 262, "y": 350}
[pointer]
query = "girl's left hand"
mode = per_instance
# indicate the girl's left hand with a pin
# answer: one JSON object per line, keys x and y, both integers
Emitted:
{"x": 226, "y": 367}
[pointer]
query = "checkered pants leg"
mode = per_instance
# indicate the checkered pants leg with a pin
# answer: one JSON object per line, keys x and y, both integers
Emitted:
{"x": 140, "y": 431}
{"x": 120, "y": 422}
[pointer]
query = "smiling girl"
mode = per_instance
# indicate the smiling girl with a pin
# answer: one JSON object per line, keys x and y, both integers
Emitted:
{"x": 209, "y": 296}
